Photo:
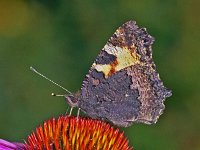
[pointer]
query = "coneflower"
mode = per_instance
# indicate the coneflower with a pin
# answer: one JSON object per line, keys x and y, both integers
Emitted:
{"x": 72, "y": 133}
{"x": 6, "y": 145}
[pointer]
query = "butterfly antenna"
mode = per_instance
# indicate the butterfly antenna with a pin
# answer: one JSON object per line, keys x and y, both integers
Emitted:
{"x": 35, "y": 71}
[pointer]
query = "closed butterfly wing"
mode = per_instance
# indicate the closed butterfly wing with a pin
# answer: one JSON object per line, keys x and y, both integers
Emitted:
{"x": 122, "y": 85}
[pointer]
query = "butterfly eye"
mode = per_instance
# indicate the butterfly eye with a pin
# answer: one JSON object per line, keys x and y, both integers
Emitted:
{"x": 72, "y": 100}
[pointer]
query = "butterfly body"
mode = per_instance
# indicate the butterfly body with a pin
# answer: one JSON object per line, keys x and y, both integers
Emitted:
{"x": 122, "y": 85}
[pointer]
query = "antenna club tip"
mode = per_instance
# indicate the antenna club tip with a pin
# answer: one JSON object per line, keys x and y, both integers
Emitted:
{"x": 32, "y": 69}
{"x": 53, "y": 94}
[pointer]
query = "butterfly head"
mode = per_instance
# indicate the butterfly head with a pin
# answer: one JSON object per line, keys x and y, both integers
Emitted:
{"x": 72, "y": 99}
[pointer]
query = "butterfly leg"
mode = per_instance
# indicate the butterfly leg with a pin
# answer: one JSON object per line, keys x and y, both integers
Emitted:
{"x": 70, "y": 113}
{"x": 78, "y": 113}
{"x": 67, "y": 110}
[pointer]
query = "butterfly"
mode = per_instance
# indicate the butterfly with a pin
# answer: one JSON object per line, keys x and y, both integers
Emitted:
{"x": 122, "y": 85}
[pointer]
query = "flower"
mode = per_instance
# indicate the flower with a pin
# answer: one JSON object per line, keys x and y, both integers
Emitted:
{"x": 74, "y": 133}
{"x": 6, "y": 145}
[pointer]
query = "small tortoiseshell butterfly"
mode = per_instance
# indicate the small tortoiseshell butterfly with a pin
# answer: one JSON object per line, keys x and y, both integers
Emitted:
{"x": 122, "y": 85}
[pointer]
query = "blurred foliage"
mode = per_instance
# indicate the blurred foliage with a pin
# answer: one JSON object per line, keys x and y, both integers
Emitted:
{"x": 62, "y": 38}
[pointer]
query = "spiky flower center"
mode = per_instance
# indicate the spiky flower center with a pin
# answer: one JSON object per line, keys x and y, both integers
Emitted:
{"x": 76, "y": 133}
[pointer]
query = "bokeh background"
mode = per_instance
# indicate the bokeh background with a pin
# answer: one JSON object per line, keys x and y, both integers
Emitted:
{"x": 62, "y": 38}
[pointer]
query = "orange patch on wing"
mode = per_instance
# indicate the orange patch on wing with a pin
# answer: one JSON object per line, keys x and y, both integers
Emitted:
{"x": 113, "y": 66}
{"x": 125, "y": 57}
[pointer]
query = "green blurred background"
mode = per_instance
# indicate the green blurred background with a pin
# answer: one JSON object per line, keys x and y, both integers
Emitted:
{"x": 62, "y": 38}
